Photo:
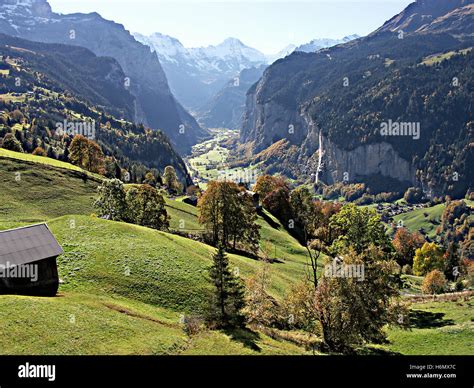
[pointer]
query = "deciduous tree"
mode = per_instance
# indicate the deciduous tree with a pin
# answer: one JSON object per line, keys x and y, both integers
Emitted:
{"x": 428, "y": 258}
{"x": 146, "y": 207}
{"x": 86, "y": 154}
{"x": 434, "y": 283}
{"x": 111, "y": 203}
{"x": 259, "y": 309}
{"x": 170, "y": 180}
{"x": 228, "y": 214}
{"x": 405, "y": 244}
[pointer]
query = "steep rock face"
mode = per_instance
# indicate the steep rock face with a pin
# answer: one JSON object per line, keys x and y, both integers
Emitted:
{"x": 284, "y": 124}
{"x": 336, "y": 163}
{"x": 367, "y": 160}
{"x": 155, "y": 104}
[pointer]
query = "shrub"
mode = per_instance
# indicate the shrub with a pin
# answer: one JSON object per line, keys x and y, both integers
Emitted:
{"x": 434, "y": 283}
{"x": 39, "y": 151}
{"x": 459, "y": 285}
{"x": 413, "y": 195}
{"x": 407, "y": 270}
{"x": 192, "y": 325}
{"x": 10, "y": 142}
{"x": 366, "y": 199}
{"x": 387, "y": 197}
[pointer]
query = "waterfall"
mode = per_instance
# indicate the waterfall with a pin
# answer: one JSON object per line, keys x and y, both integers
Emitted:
{"x": 320, "y": 158}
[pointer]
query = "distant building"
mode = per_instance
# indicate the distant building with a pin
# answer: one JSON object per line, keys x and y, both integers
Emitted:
{"x": 28, "y": 261}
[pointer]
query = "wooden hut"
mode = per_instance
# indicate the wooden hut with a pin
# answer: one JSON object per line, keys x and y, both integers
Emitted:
{"x": 28, "y": 261}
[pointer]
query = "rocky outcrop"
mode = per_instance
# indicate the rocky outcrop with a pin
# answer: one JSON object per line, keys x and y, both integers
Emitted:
{"x": 336, "y": 164}
{"x": 266, "y": 123}
{"x": 364, "y": 161}
{"x": 423, "y": 15}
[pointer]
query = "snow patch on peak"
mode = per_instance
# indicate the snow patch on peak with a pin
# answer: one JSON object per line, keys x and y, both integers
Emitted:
{"x": 231, "y": 49}
{"x": 318, "y": 44}
{"x": 165, "y": 46}
{"x": 282, "y": 53}
{"x": 37, "y": 8}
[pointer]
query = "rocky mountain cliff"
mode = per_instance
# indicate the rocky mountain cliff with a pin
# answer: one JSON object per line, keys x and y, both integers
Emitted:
{"x": 155, "y": 105}
{"x": 325, "y": 110}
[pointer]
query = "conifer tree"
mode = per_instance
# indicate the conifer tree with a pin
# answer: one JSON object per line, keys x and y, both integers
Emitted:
{"x": 227, "y": 299}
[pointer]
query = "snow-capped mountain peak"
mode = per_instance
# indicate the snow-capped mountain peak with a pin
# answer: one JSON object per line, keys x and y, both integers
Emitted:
{"x": 38, "y": 8}
{"x": 281, "y": 54}
{"x": 231, "y": 48}
{"x": 166, "y": 46}
{"x": 318, "y": 44}
{"x": 196, "y": 74}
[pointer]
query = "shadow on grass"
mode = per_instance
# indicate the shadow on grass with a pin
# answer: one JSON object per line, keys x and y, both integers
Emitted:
{"x": 370, "y": 351}
{"x": 246, "y": 337}
{"x": 425, "y": 320}
{"x": 268, "y": 219}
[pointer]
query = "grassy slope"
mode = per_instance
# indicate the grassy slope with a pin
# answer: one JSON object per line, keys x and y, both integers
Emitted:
{"x": 7, "y": 154}
{"x": 82, "y": 324}
{"x": 437, "y": 328}
{"x": 127, "y": 298}
{"x": 32, "y": 194}
{"x": 152, "y": 277}
{"x": 183, "y": 216}
{"x": 428, "y": 218}
{"x": 416, "y": 219}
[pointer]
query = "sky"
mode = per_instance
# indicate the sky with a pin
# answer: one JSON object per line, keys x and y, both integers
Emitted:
{"x": 267, "y": 25}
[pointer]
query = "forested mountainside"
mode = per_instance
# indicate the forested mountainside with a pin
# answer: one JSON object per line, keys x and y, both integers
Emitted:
{"x": 155, "y": 105}
{"x": 226, "y": 108}
{"x": 42, "y": 85}
{"x": 338, "y": 99}
{"x": 97, "y": 80}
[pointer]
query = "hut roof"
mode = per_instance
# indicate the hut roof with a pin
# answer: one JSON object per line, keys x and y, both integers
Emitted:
{"x": 27, "y": 245}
